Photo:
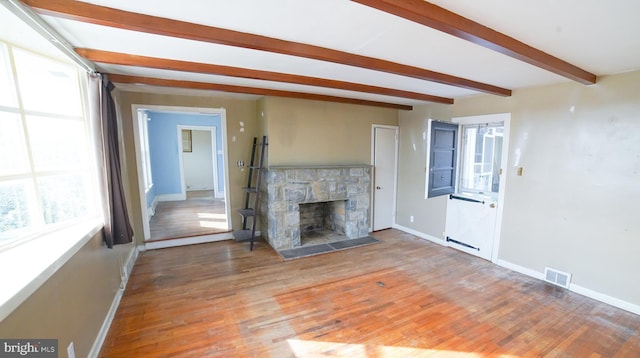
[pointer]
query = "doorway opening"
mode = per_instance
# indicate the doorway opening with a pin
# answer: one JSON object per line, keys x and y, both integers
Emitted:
{"x": 182, "y": 164}
{"x": 474, "y": 209}
{"x": 384, "y": 158}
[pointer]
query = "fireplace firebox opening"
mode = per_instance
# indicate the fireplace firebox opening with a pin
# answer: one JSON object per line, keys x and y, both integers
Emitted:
{"x": 322, "y": 221}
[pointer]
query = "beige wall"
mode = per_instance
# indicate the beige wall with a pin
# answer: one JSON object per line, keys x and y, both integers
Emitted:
{"x": 576, "y": 206}
{"x": 74, "y": 302}
{"x": 238, "y": 143}
{"x": 313, "y": 132}
{"x": 429, "y": 214}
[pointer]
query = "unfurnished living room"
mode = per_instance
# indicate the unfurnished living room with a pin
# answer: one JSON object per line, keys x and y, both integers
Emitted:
{"x": 346, "y": 178}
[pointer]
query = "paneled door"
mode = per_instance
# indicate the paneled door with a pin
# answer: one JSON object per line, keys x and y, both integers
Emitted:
{"x": 385, "y": 156}
{"x": 470, "y": 225}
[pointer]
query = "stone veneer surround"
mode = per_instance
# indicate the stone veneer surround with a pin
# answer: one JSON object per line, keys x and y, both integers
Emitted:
{"x": 286, "y": 187}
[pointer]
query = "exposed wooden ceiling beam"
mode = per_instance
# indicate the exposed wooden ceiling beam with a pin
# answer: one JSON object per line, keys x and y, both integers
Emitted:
{"x": 116, "y": 78}
{"x": 166, "y": 64}
{"x": 100, "y": 15}
{"x": 451, "y": 23}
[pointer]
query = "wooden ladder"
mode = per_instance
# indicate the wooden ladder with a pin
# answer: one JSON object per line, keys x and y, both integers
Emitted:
{"x": 252, "y": 194}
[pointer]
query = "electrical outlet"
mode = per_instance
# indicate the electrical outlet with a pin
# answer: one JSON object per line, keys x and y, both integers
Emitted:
{"x": 411, "y": 218}
{"x": 71, "y": 352}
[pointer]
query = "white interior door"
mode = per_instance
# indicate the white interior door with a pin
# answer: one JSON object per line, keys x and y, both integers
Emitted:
{"x": 384, "y": 182}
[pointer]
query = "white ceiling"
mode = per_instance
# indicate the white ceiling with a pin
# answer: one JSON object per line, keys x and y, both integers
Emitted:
{"x": 602, "y": 37}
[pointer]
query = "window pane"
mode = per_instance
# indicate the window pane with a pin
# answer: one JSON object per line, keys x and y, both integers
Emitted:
{"x": 63, "y": 197}
{"x": 14, "y": 206}
{"x": 47, "y": 85}
{"x": 57, "y": 143}
{"x": 481, "y": 154}
{"x": 7, "y": 87}
{"x": 13, "y": 158}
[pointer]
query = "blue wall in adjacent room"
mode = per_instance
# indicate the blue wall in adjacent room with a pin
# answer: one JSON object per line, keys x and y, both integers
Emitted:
{"x": 163, "y": 148}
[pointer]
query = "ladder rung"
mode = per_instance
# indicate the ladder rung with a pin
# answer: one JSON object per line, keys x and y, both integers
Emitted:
{"x": 250, "y": 190}
{"x": 247, "y": 212}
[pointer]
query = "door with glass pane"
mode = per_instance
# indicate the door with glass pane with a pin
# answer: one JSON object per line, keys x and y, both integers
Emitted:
{"x": 473, "y": 210}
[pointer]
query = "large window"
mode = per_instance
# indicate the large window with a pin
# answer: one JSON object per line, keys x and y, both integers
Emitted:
{"x": 46, "y": 172}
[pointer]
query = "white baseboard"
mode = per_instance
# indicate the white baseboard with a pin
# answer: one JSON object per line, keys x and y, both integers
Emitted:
{"x": 420, "y": 234}
{"x": 521, "y": 269}
{"x": 616, "y": 302}
{"x": 613, "y": 301}
{"x": 172, "y": 197}
{"x": 152, "y": 245}
{"x": 97, "y": 344}
{"x": 151, "y": 211}
{"x": 127, "y": 267}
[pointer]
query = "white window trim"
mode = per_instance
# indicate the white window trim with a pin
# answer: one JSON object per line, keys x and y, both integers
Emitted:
{"x": 28, "y": 264}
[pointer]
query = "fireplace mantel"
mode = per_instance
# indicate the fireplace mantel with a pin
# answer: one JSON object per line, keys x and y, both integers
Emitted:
{"x": 286, "y": 187}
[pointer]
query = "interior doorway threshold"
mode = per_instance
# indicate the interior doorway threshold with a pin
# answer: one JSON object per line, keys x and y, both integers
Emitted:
{"x": 182, "y": 241}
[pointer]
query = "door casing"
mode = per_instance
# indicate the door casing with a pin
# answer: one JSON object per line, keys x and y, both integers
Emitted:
{"x": 138, "y": 148}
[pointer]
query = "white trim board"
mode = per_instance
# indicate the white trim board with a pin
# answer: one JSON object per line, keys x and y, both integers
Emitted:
{"x": 172, "y": 197}
{"x": 152, "y": 245}
{"x": 53, "y": 251}
{"x": 613, "y": 301}
{"x": 106, "y": 324}
{"x": 601, "y": 297}
{"x": 420, "y": 235}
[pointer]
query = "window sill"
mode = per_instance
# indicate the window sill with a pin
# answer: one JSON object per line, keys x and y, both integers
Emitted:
{"x": 26, "y": 267}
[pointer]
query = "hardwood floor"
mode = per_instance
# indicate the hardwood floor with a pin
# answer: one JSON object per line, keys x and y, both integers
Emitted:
{"x": 200, "y": 214}
{"x": 403, "y": 297}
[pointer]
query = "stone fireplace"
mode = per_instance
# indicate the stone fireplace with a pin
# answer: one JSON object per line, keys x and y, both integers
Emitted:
{"x": 297, "y": 200}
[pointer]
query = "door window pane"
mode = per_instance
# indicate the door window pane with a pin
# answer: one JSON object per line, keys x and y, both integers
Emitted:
{"x": 46, "y": 85}
{"x": 481, "y": 156}
{"x": 13, "y": 158}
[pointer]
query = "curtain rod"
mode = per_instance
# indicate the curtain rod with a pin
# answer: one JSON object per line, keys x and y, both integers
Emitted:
{"x": 34, "y": 21}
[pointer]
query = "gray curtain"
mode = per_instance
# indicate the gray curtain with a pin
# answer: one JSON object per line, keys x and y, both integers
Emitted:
{"x": 117, "y": 227}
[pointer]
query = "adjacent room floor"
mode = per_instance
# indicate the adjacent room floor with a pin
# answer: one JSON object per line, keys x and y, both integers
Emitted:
{"x": 200, "y": 214}
{"x": 402, "y": 297}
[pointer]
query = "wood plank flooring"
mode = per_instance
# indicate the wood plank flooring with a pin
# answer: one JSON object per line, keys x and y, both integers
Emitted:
{"x": 200, "y": 214}
{"x": 403, "y": 297}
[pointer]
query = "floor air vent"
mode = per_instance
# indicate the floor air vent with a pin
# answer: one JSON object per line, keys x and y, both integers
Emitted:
{"x": 556, "y": 277}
